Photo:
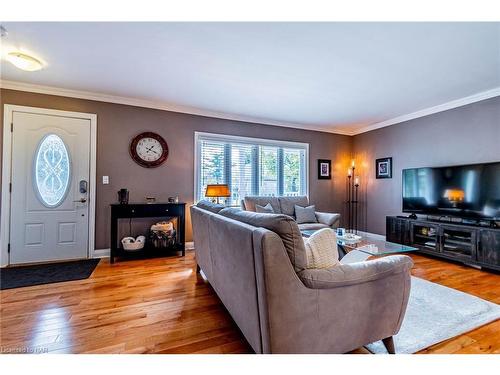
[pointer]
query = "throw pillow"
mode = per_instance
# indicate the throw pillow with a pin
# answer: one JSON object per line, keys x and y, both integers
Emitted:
{"x": 321, "y": 249}
{"x": 305, "y": 214}
{"x": 267, "y": 209}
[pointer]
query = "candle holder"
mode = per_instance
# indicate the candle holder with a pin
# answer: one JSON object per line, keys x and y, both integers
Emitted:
{"x": 352, "y": 185}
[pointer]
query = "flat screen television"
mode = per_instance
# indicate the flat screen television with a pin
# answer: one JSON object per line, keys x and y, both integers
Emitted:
{"x": 465, "y": 191}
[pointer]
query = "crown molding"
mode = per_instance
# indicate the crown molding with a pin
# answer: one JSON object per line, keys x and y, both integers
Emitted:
{"x": 431, "y": 110}
{"x": 164, "y": 106}
{"x": 88, "y": 95}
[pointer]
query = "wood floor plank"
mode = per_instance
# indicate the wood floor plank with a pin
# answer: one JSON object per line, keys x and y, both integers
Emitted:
{"x": 163, "y": 306}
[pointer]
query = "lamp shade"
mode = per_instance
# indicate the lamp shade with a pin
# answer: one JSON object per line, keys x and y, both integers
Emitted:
{"x": 221, "y": 190}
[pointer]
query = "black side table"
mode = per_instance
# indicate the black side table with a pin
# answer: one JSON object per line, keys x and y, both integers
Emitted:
{"x": 142, "y": 210}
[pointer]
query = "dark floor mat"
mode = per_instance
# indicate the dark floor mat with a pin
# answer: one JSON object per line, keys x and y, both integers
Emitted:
{"x": 17, "y": 277}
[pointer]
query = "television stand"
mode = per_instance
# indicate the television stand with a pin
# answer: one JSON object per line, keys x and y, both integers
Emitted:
{"x": 470, "y": 244}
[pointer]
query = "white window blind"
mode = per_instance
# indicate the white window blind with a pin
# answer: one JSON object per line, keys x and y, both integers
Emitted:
{"x": 250, "y": 166}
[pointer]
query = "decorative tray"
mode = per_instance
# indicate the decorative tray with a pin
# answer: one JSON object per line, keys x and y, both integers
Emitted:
{"x": 349, "y": 237}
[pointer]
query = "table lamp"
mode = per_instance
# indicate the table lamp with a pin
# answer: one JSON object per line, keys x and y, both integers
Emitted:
{"x": 217, "y": 191}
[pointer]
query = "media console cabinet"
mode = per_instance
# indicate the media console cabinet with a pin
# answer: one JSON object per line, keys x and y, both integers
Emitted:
{"x": 469, "y": 244}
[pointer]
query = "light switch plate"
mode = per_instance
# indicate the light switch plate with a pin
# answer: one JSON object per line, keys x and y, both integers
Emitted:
{"x": 105, "y": 180}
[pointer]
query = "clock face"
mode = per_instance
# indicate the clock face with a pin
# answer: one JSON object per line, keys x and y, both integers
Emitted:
{"x": 149, "y": 150}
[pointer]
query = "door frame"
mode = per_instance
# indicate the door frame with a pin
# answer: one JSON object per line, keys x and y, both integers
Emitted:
{"x": 9, "y": 110}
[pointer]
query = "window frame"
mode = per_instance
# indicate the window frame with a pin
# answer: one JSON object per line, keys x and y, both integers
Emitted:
{"x": 248, "y": 140}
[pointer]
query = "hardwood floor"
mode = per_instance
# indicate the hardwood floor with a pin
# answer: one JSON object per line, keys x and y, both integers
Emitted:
{"x": 483, "y": 284}
{"x": 163, "y": 306}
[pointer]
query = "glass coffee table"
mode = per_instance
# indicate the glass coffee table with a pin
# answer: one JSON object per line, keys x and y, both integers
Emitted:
{"x": 368, "y": 246}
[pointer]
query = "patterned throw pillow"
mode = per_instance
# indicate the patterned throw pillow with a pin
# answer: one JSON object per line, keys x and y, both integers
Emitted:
{"x": 321, "y": 249}
{"x": 305, "y": 214}
{"x": 267, "y": 209}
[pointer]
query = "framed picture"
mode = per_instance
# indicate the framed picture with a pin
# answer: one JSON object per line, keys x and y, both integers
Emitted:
{"x": 383, "y": 168}
{"x": 324, "y": 169}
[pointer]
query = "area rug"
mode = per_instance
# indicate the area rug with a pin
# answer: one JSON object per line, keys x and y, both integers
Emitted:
{"x": 436, "y": 313}
{"x": 17, "y": 277}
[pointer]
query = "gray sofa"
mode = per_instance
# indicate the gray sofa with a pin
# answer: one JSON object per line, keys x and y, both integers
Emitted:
{"x": 256, "y": 263}
{"x": 286, "y": 205}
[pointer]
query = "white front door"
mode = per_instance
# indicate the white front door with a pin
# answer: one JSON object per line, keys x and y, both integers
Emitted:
{"x": 50, "y": 188}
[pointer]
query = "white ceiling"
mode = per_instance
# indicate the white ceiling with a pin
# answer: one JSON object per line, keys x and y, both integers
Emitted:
{"x": 337, "y": 77}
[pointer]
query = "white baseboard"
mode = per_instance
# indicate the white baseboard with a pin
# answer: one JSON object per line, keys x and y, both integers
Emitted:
{"x": 101, "y": 253}
{"x": 104, "y": 253}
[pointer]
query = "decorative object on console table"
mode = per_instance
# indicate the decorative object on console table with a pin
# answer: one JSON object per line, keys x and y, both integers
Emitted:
{"x": 217, "y": 191}
{"x": 162, "y": 235}
{"x": 383, "y": 168}
{"x": 123, "y": 196}
{"x": 352, "y": 199}
{"x": 168, "y": 211}
{"x": 133, "y": 244}
{"x": 324, "y": 169}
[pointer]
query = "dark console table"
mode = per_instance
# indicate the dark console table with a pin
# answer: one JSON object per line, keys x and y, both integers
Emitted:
{"x": 469, "y": 244}
{"x": 144, "y": 210}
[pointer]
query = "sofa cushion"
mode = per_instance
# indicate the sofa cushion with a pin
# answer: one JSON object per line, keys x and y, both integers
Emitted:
{"x": 321, "y": 249}
{"x": 283, "y": 225}
{"x": 328, "y": 218}
{"x": 305, "y": 214}
{"x": 267, "y": 209}
{"x": 250, "y": 202}
{"x": 312, "y": 226}
{"x": 287, "y": 204}
{"x": 209, "y": 206}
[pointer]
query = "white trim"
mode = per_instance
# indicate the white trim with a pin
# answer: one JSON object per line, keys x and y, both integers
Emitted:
{"x": 431, "y": 110}
{"x": 165, "y": 106}
{"x": 88, "y": 95}
{"x": 196, "y": 169}
{"x": 9, "y": 110}
{"x": 101, "y": 253}
{"x": 5, "y": 209}
{"x": 249, "y": 140}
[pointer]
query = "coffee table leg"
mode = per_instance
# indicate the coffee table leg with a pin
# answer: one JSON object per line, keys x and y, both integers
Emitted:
{"x": 342, "y": 252}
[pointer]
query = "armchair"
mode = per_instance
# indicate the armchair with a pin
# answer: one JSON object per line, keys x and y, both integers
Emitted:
{"x": 335, "y": 310}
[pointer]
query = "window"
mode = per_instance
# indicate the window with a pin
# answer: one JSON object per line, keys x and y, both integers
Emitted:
{"x": 52, "y": 170}
{"x": 250, "y": 166}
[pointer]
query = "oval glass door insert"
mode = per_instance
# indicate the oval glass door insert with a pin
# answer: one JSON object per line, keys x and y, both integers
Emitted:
{"x": 52, "y": 170}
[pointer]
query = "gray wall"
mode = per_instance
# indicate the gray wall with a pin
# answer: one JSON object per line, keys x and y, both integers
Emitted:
{"x": 464, "y": 135}
{"x": 117, "y": 124}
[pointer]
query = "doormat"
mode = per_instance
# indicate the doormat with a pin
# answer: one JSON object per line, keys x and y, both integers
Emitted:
{"x": 17, "y": 277}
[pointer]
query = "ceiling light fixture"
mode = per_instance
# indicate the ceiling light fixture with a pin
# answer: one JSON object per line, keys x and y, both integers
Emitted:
{"x": 24, "y": 61}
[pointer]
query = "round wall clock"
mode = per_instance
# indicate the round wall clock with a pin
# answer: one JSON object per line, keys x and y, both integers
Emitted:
{"x": 149, "y": 150}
